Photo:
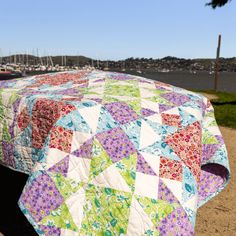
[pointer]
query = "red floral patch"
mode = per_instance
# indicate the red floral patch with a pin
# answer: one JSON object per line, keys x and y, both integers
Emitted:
{"x": 170, "y": 169}
{"x": 171, "y": 119}
{"x": 61, "y": 139}
{"x": 187, "y": 145}
{"x": 60, "y": 78}
{"x": 23, "y": 119}
{"x": 161, "y": 84}
{"x": 45, "y": 114}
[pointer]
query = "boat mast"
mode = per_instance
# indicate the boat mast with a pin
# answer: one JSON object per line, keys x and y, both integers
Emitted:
{"x": 0, "y": 56}
{"x": 51, "y": 61}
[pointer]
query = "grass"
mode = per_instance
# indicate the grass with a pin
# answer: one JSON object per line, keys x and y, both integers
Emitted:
{"x": 225, "y": 108}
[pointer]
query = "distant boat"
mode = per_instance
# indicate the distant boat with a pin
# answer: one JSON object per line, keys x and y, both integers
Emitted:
{"x": 139, "y": 70}
{"x": 107, "y": 67}
{"x": 193, "y": 72}
{"x": 164, "y": 70}
{"x": 9, "y": 74}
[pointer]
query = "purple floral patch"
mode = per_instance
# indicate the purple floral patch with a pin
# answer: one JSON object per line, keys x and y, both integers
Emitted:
{"x": 147, "y": 112}
{"x": 208, "y": 150}
{"x": 143, "y": 167}
{"x": 50, "y": 230}
{"x": 69, "y": 91}
{"x": 165, "y": 194}
{"x": 163, "y": 107}
{"x": 121, "y": 112}
{"x": 99, "y": 80}
{"x": 176, "y": 98}
{"x": 98, "y": 100}
{"x": 220, "y": 139}
{"x": 119, "y": 76}
{"x": 41, "y": 197}
{"x": 8, "y": 156}
{"x": 182, "y": 224}
{"x": 212, "y": 177}
{"x": 116, "y": 143}
{"x": 61, "y": 167}
{"x": 85, "y": 150}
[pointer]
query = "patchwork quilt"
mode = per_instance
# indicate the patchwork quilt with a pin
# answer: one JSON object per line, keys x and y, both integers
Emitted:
{"x": 110, "y": 153}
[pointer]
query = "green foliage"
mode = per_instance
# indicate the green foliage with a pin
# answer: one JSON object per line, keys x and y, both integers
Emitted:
{"x": 217, "y": 3}
{"x": 225, "y": 108}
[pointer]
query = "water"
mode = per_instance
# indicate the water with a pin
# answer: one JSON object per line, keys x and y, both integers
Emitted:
{"x": 199, "y": 81}
{"x": 184, "y": 79}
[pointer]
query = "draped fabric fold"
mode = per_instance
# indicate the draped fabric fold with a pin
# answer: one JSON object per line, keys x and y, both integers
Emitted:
{"x": 110, "y": 153}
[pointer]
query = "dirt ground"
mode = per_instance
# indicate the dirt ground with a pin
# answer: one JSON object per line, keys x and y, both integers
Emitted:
{"x": 218, "y": 216}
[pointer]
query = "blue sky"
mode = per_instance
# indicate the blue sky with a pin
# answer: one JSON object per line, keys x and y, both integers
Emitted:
{"x": 117, "y": 29}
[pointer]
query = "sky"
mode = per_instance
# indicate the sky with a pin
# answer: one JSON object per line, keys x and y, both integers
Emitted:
{"x": 117, "y": 29}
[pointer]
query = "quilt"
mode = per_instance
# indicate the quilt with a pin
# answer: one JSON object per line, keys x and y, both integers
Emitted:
{"x": 110, "y": 153}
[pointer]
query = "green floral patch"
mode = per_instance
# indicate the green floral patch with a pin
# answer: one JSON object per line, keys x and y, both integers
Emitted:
{"x": 60, "y": 218}
{"x": 122, "y": 90}
{"x": 208, "y": 138}
{"x": 157, "y": 210}
{"x": 159, "y": 100}
{"x": 127, "y": 168}
{"x": 106, "y": 211}
{"x": 65, "y": 186}
{"x": 109, "y": 99}
{"x": 100, "y": 160}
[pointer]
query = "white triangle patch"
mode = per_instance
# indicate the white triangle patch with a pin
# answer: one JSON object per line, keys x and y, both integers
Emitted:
{"x": 111, "y": 178}
{"x": 54, "y": 156}
{"x": 78, "y": 139}
{"x": 139, "y": 222}
{"x": 191, "y": 203}
{"x": 172, "y": 111}
{"x": 155, "y": 118}
{"x": 150, "y": 105}
{"x": 153, "y": 161}
{"x": 193, "y": 111}
{"x": 75, "y": 205}
{"x": 175, "y": 187}
{"x": 91, "y": 116}
{"x": 78, "y": 168}
{"x": 147, "y": 135}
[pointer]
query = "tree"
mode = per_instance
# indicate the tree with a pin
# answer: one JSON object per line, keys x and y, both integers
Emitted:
{"x": 217, "y": 3}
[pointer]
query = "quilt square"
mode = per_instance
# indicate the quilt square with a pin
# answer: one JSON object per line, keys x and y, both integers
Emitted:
{"x": 61, "y": 139}
{"x": 146, "y": 185}
{"x": 116, "y": 143}
{"x": 121, "y": 112}
{"x": 41, "y": 197}
{"x": 170, "y": 169}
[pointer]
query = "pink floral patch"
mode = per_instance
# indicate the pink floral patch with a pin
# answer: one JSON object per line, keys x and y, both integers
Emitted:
{"x": 170, "y": 169}
{"x": 187, "y": 145}
{"x": 61, "y": 139}
{"x": 171, "y": 119}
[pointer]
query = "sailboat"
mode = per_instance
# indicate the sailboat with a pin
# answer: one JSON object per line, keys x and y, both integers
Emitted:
{"x": 123, "y": 69}
{"x": 107, "y": 67}
{"x": 9, "y": 73}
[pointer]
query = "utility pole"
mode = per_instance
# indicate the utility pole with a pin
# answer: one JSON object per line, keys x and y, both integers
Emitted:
{"x": 217, "y": 65}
